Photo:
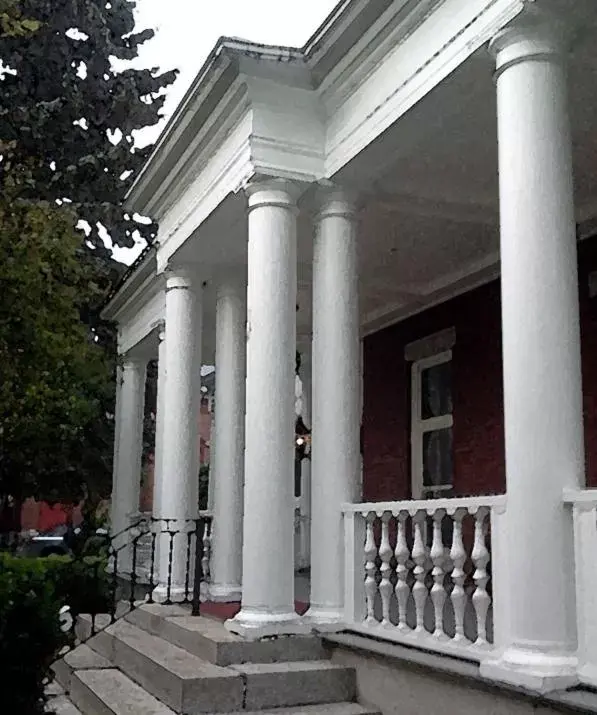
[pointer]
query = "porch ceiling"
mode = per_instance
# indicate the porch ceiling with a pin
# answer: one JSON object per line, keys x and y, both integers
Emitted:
{"x": 428, "y": 190}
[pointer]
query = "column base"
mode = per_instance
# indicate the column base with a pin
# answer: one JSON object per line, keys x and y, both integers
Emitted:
{"x": 325, "y": 620}
{"x": 254, "y": 625}
{"x": 526, "y": 668}
{"x": 224, "y": 592}
{"x": 178, "y": 594}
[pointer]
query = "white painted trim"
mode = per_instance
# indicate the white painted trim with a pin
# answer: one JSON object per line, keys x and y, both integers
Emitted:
{"x": 139, "y": 322}
{"x": 419, "y": 426}
{"x": 213, "y": 133}
{"x": 225, "y": 172}
{"x": 415, "y": 64}
{"x": 431, "y": 345}
{"x": 412, "y": 506}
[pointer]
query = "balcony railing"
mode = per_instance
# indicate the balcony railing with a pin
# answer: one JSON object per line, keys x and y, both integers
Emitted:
{"x": 419, "y": 572}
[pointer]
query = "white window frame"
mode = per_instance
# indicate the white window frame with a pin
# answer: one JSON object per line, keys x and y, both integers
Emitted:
{"x": 420, "y": 426}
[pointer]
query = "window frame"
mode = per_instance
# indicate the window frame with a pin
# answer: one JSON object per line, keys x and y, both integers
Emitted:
{"x": 419, "y": 426}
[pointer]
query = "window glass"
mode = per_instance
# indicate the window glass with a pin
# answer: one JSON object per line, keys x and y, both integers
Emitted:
{"x": 436, "y": 391}
{"x": 437, "y": 458}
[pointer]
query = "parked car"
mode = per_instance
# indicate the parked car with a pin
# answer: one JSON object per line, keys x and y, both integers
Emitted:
{"x": 57, "y": 541}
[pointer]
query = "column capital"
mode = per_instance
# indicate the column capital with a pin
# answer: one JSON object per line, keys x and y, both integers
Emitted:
{"x": 160, "y": 327}
{"x": 179, "y": 277}
{"x": 333, "y": 200}
{"x": 232, "y": 288}
{"x": 536, "y": 34}
{"x": 133, "y": 362}
{"x": 280, "y": 193}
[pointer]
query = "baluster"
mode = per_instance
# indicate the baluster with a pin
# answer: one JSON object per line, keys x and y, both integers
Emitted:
{"x": 480, "y": 557}
{"x": 206, "y": 560}
{"x": 438, "y": 557}
{"x": 458, "y": 556}
{"x": 402, "y": 553}
{"x": 385, "y": 554}
{"x": 419, "y": 557}
{"x": 370, "y": 568}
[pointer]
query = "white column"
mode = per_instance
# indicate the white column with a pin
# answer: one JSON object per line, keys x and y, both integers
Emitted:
{"x": 268, "y": 533}
{"x": 128, "y": 452}
{"x": 227, "y": 468}
{"x": 158, "y": 474}
{"x": 335, "y": 402}
{"x": 179, "y": 461}
{"x": 159, "y": 482}
{"x": 541, "y": 353}
{"x": 305, "y": 512}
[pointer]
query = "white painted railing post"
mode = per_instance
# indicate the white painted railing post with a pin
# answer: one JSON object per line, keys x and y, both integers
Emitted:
{"x": 499, "y": 575}
{"x": 354, "y": 567}
{"x": 585, "y": 549}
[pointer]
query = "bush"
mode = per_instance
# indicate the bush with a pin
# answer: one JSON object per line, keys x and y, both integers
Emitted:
{"x": 32, "y": 592}
{"x": 30, "y": 635}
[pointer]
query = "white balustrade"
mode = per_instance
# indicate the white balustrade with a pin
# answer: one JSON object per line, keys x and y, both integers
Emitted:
{"x": 584, "y": 510}
{"x": 207, "y": 517}
{"x": 422, "y": 573}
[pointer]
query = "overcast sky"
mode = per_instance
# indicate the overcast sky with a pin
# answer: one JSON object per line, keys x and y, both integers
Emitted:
{"x": 187, "y": 30}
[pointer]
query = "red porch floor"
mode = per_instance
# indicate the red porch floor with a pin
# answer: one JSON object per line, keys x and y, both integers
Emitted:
{"x": 224, "y": 611}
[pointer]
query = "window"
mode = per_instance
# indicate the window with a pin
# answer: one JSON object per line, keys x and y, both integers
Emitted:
{"x": 431, "y": 430}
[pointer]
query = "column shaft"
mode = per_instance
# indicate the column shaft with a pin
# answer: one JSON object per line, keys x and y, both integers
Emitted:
{"x": 128, "y": 453}
{"x": 541, "y": 355}
{"x": 268, "y": 534}
{"x": 335, "y": 403}
{"x": 229, "y": 439}
{"x": 180, "y": 459}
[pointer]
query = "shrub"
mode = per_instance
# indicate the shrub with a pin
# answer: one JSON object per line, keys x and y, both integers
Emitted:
{"x": 32, "y": 592}
{"x": 30, "y": 635}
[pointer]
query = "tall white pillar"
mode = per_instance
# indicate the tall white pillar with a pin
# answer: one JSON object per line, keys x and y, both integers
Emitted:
{"x": 158, "y": 474}
{"x": 541, "y": 353}
{"x": 180, "y": 457}
{"x": 227, "y": 468}
{"x": 335, "y": 402}
{"x": 268, "y": 533}
{"x": 128, "y": 453}
{"x": 159, "y": 482}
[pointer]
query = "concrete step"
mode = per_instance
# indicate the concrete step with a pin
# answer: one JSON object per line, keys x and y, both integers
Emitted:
{"x": 83, "y": 626}
{"x": 61, "y": 705}
{"x": 280, "y": 685}
{"x": 178, "y": 678}
{"x": 110, "y": 692}
{"x": 329, "y": 709}
{"x": 81, "y": 658}
{"x": 208, "y": 639}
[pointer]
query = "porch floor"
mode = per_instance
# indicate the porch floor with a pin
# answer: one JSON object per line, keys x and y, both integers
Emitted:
{"x": 224, "y": 611}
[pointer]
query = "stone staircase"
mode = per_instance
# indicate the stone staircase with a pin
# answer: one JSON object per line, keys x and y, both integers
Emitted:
{"x": 160, "y": 660}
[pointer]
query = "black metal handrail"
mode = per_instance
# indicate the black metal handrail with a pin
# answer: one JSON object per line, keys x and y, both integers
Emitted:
{"x": 116, "y": 579}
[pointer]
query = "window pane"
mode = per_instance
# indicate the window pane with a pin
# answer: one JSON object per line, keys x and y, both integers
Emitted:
{"x": 436, "y": 391}
{"x": 437, "y": 457}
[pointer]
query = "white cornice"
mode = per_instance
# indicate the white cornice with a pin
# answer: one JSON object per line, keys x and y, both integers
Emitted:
{"x": 424, "y": 56}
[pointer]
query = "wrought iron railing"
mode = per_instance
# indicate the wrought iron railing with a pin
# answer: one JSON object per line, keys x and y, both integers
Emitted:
{"x": 152, "y": 560}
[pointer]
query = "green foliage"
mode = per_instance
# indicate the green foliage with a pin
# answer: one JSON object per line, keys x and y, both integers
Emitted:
{"x": 70, "y": 94}
{"x": 32, "y": 592}
{"x": 56, "y": 380}
{"x": 68, "y": 112}
{"x": 30, "y": 636}
{"x": 12, "y": 22}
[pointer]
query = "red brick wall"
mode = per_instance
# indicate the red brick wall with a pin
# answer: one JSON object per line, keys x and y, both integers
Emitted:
{"x": 477, "y": 392}
{"x": 477, "y": 396}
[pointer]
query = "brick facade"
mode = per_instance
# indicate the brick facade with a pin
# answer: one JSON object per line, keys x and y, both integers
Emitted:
{"x": 479, "y": 466}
